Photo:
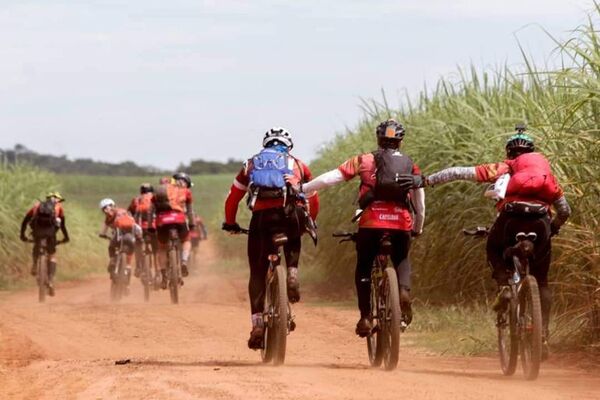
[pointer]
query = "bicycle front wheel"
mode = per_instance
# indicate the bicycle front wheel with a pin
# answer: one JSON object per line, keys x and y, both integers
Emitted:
{"x": 508, "y": 338}
{"x": 374, "y": 342}
{"x": 391, "y": 327}
{"x": 530, "y": 322}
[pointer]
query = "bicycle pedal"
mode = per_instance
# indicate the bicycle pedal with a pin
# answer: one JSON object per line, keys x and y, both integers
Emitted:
{"x": 292, "y": 326}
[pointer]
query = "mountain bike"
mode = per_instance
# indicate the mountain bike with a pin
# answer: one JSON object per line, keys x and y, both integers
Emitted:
{"x": 519, "y": 324}
{"x": 120, "y": 275}
{"x": 41, "y": 266}
{"x": 383, "y": 344}
{"x": 277, "y": 312}
{"x": 174, "y": 265}
{"x": 149, "y": 267}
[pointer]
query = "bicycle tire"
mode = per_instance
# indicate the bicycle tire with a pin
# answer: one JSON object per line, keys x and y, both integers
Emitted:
{"x": 530, "y": 317}
{"x": 116, "y": 287}
{"x": 42, "y": 271}
{"x": 266, "y": 353}
{"x": 508, "y": 338}
{"x": 147, "y": 275}
{"x": 374, "y": 348}
{"x": 391, "y": 333}
{"x": 280, "y": 320}
{"x": 174, "y": 276}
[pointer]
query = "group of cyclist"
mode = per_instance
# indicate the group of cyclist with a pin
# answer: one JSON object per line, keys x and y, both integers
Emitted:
{"x": 149, "y": 218}
{"x": 391, "y": 202}
{"x": 282, "y": 195}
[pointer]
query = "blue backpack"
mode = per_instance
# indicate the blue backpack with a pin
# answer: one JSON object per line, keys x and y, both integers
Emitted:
{"x": 266, "y": 175}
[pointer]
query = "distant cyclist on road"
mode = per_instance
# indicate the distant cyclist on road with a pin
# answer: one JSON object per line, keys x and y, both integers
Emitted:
{"x": 142, "y": 209}
{"x": 531, "y": 183}
{"x": 45, "y": 219}
{"x": 173, "y": 207}
{"x": 385, "y": 210}
{"x": 199, "y": 232}
{"x": 119, "y": 218}
{"x": 275, "y": 209}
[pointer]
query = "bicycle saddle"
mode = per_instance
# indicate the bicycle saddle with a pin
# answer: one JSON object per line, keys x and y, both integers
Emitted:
{"x": 279, "y": 239}
{"x": 531, "y": 236}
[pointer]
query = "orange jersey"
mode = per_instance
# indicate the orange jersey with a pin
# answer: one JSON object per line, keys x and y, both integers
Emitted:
{"x": 120, "y": 219}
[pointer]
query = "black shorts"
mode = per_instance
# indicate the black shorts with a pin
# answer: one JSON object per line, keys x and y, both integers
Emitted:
{"x": 163, "y": 232}
{"x": 50, "y": 244}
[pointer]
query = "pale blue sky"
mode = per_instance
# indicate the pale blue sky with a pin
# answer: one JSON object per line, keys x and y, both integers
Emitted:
{"x": 161, "y": 82}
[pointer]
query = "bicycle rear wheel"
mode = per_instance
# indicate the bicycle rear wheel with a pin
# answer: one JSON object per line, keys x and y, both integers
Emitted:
{"x": 147, "y": 280}
{"x": 280, "y": 316}
{"x": 508, "y": 338}
{"x": 374, "y": 345}
{"x": 530, "y": 318}
{"x": 117, "y": 282}
{"x": 42, "y": 278}
{"x": 391, "y": 327}
{"x": 174, "y": 275}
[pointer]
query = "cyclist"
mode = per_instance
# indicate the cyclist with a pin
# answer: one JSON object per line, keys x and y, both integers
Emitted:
{"x": 198, "y": 233}
{"x": 173, "y": 207}
{"x": 44, "y": 219}
{"x": 119, "y": 218}
{"x": 142, "y": 209}
{"x": 385, "y": 210}
{"x": 273, "y": 211}
{"x": 531, "y": 181}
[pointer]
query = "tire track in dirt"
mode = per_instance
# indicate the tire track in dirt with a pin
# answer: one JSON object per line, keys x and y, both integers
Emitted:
{"x": 67, "y": 348}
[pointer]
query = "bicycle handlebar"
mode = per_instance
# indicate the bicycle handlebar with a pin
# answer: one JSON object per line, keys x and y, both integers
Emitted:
{"x": 477, "y": 231}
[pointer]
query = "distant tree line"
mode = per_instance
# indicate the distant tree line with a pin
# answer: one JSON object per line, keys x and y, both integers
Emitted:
{"x": 197, "y": 167}
{"x": 86, "y": 166}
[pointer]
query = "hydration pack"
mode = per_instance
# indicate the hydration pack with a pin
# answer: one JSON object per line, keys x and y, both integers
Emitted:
{"x": 169, "y": 197}
{"x": 266, "y": 175}
{"x": 45, "y": 216}
{"x": 389, "y": 164}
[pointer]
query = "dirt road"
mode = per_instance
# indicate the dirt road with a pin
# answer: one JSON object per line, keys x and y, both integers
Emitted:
{"x": 67, "y": 348}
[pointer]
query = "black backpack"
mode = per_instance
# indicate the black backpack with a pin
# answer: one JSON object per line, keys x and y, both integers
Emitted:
{"x": 389, "y": 163}
{"x": 45, "y": 216}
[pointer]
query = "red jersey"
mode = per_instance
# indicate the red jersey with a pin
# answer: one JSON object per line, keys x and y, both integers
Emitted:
{"x": 141, "y": 208}
{"x": 379, "y": 214}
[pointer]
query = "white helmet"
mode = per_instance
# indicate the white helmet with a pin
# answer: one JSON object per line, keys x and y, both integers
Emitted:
{"x": 279, "y": 134}
{"x": 105, "y": 203}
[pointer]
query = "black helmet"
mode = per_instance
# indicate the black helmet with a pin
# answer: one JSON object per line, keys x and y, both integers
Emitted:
{"x": 390, "y": 130}
{"x": 185, "y": 177}
{"x": 519, "y": 143}
{"x": 146, "y": 188}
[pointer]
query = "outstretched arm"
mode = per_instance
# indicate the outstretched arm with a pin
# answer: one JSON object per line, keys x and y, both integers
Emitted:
{"x": 418, "y": 196}
{"x": 452, "y": 174}
{"x": 322, "y": 181}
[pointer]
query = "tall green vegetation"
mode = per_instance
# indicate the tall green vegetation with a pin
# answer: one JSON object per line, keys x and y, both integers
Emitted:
{"x": 466, "y": 122}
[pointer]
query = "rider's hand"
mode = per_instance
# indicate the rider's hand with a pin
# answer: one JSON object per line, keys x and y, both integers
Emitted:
{"x": 294, "y": 182}
{"x": 65, "y": 240}
{"x": 191, "y": 226}
{"x": 23, "y": 238}
{"x": 231, "y": 228}
{"x": 410, "y": 181}
{"x": 415, "y": 234}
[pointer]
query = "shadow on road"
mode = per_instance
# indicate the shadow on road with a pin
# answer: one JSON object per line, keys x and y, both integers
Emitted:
{"x": 243, "y": 364}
